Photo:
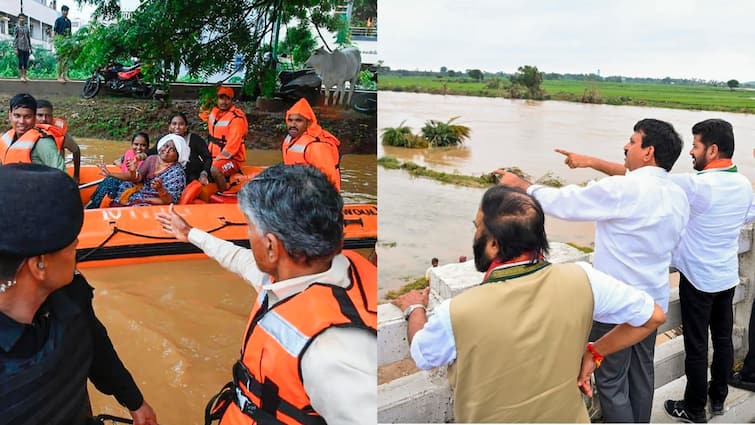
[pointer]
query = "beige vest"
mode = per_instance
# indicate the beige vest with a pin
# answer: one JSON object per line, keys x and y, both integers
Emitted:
{"x": 519, "y": 345}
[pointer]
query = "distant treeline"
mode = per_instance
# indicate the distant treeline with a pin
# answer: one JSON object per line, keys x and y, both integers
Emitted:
{"x": 478, "y": 75}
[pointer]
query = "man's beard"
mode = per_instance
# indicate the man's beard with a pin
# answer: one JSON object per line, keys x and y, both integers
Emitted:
{"x": 481, "y": 261}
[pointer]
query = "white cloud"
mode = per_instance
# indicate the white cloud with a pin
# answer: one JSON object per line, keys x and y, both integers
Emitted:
{"x": 677, "y": 38}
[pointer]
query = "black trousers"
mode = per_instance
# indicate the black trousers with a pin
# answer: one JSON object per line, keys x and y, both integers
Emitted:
{"x": 23, "y": 59}
{"x": 748, "y": 371}
{"x": 700, "y": 311}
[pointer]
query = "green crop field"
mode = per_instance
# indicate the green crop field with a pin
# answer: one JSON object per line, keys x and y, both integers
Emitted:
{"x": 614, "y": 93}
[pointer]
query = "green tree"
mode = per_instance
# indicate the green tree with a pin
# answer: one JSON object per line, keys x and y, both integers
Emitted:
{"x": 732, "y": 84}
{"x": 440, "y": 133}
{"x": 443, "y": 69}
{"x": 531, "y": 78}
{"x": 299, "y": 43}
{"x": 203, "y": 35}
{"x": 475, "y": 74}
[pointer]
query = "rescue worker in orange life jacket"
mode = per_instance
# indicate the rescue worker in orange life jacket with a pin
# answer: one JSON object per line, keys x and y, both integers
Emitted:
{"x": 227, "y": 127}
{"x": 58, "y": 128}
{"x": 310, "y": 349}
{"x": 23, "y": 142}
{"x": 308, "y": 143}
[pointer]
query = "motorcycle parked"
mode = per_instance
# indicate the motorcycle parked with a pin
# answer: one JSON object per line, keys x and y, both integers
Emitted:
{"x": 118, "y": 79}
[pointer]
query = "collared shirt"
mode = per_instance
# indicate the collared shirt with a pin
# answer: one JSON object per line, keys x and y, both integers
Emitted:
{"x": 341, "y": 363}
{"x": 719, "y": 203}
{"x": 639, "y": 219}
{"x": 46, "y": 152}
{"x": 614, "y": 302}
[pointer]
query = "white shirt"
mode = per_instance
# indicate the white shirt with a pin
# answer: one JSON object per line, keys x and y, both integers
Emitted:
{"x": 339, "y": 369}
{"x": 614, "y": 302}
{"x": 639, "y": 220}
{"x": 719, "y": 203}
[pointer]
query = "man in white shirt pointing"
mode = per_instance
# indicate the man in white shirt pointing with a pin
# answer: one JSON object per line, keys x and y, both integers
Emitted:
{"x": 639, "y": 218}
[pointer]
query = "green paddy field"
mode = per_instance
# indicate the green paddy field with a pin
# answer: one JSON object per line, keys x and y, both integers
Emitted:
{"x": 612, "y": 93}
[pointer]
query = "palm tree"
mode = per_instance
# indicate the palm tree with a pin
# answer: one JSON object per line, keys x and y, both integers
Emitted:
{"x": 445, "y": 133}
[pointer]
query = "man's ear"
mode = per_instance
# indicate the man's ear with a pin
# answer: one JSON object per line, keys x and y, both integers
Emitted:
{"x": 650, "y": 155}
{"x": 273, "y": 247}
{"x": 713, "y": 151}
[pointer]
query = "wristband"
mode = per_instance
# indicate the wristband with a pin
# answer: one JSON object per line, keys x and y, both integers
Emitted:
{"x": 411, "y": 308}
{"x": 597, "y": 357}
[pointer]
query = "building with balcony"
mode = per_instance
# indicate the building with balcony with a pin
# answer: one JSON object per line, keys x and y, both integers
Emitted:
{"x": 41, "y": 18}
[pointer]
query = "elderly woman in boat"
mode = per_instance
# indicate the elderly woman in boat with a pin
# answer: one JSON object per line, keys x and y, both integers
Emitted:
{"x": 160, "y": 179}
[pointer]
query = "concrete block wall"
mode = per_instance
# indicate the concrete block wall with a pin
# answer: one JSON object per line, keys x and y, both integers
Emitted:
{"x": 425, "y": 397}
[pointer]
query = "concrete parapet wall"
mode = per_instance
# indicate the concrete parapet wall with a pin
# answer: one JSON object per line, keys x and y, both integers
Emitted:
{"x": 425, "y": 397}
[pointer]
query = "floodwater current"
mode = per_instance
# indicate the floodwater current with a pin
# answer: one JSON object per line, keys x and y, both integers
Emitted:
{"x": 178, "y": 325}
{"x": 421, "y": 218}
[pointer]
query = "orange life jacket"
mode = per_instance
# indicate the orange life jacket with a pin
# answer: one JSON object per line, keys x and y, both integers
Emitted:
{"x": 296, "y": 153}
{"x": 219, "y": 126}
{"x": 57, "y": 130}
{"x": 267, "y": 386}
{"x": 20, "y": 150}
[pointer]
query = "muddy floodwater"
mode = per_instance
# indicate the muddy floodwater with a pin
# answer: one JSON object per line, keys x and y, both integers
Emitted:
{"x": 420, "y": 218}
{"x": 178, "y": 325}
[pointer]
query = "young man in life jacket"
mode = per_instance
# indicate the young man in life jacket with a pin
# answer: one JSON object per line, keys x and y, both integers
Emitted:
{"x": 24, "y": 142}
{"x": 308, "y": 143}
{"x": 227, "y": 127}
{"x": 310, "y": 349}
{"x": 58, "y": 128}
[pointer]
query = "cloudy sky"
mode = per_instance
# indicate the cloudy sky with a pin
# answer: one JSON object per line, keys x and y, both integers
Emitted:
{"x": 641, "y": 38}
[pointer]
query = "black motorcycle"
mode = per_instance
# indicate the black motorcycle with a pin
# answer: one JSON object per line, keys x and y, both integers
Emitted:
{"x": 118, "y": 79}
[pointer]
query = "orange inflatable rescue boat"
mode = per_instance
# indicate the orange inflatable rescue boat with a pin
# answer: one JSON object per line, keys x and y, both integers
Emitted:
{"x": 132, "y": 234}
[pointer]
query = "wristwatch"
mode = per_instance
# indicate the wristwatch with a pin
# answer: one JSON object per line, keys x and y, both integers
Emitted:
{"x": 411, "y": 308}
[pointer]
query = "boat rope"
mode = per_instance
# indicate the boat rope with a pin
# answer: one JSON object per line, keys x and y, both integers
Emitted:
{"x": 100, "y": 419}
{"x": 116, "y": 230}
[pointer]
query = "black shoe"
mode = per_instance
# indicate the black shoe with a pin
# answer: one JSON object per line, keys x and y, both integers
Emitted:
{"x": 716, "y": 408}
{"x": 677, "y": 410}
{"x": 737, "y": 381}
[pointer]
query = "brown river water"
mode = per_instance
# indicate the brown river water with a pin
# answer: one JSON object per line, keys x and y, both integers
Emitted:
{"x": 178, "y": 325}
{"x": 421, "y": 218}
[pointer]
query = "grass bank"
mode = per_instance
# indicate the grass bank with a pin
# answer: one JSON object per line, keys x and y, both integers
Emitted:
{"x": 482, "y": 181}
{"x": 118, "y": 118}
{"x": 600, "y": 92}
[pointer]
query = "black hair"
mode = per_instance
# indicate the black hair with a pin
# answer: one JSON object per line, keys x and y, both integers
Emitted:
{"x": 64, "y": 8}
{"x": 44, "y": 103}
{"x": 515, "y": 220}
{"x": 663, "y": 138}
{"x": 142, "y": 134}
{"x": 179, "y": 114}
{"x": 716, "y": 132}
{"x": 23, "y": 100}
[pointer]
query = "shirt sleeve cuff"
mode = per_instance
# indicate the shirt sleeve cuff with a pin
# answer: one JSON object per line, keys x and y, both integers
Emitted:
{"x": 197, "y": 237}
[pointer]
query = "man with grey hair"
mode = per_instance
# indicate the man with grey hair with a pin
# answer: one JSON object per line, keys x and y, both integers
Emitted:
{"x": 310, "y": 348}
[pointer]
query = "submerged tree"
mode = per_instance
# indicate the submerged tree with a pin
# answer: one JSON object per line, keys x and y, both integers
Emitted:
{"x": 440, "y": 133}
{"x": 403, "y": 137}
{"x": 531, "y": 78}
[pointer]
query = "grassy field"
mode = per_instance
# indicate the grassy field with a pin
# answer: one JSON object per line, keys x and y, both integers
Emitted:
{"x": 639, "y": 94}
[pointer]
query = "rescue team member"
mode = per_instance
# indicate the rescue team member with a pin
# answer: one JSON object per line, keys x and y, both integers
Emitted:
{"x": 518, "y": 313}
{"x": 227, "y": 127}
{"x": 308, "y": 143}
{"x": 639, "y": 218}
{"x": 58, "y": 128}
{"x": 23, "y": 142}
{"x": 309, "y": 354}
{"x": 51, "y": 341}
